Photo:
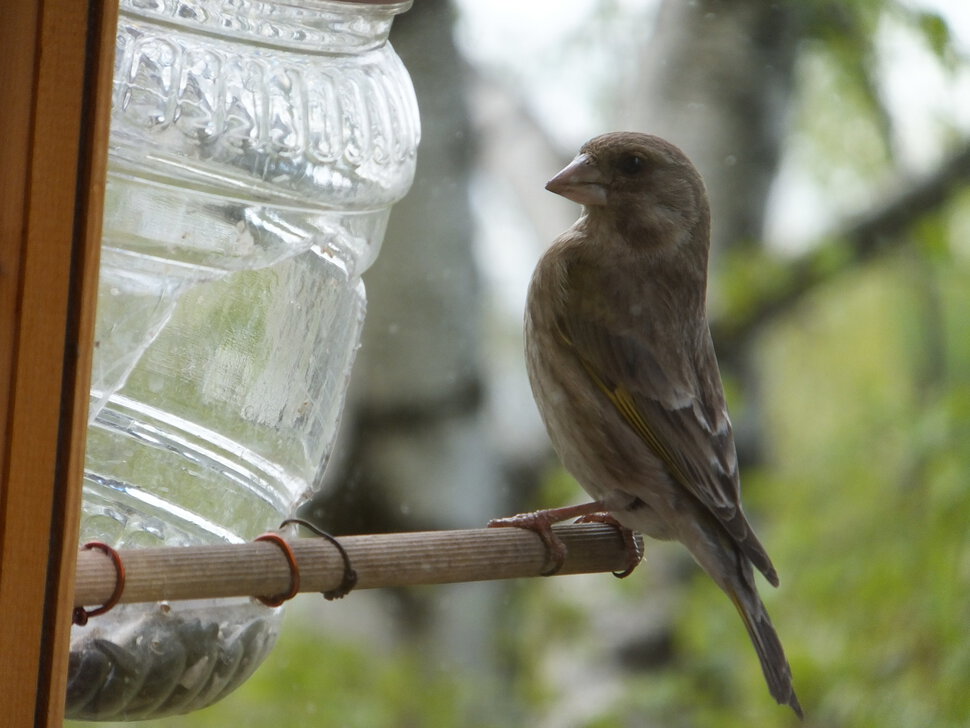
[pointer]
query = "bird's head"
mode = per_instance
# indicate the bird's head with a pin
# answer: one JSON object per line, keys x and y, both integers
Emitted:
{"x": 641, "y": 184}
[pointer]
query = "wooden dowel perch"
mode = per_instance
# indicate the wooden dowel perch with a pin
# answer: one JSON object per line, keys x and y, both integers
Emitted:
{"x": 385, "y": 560}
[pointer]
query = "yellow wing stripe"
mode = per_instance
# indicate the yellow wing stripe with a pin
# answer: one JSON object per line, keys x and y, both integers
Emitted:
{"x": 624, "y": 403}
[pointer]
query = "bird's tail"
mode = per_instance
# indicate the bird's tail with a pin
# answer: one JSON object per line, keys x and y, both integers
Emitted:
{"x": 770, "y": 652}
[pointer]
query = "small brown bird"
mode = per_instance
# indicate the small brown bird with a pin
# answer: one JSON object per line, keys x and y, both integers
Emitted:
{"x": 623, "y": 369}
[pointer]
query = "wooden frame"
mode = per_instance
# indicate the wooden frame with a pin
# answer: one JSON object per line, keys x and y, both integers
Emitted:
{"x": 55, "y": 81}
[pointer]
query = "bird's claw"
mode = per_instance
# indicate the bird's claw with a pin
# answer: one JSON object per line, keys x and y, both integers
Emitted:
{"x": 540, "y": 523}
{"x": 633, "y": 552}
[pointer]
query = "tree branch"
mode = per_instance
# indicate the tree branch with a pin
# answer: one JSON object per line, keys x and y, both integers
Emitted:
{"x": 876, "y": 232}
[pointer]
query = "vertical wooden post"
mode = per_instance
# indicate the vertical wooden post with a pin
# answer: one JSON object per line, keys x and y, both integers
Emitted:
{"x": 55, "y": 82}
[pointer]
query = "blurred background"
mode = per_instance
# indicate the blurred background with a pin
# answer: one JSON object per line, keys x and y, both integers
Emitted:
{"x": 834, "y": 138}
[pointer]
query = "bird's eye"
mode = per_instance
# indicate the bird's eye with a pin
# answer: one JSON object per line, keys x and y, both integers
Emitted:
{"x": 631, "y": 164}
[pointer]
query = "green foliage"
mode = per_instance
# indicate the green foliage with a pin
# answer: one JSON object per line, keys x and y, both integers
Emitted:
{"x": 840, "y": 139}
{"x": 750, "y": 276}
{"x": 936, "y": 32}
{"x": 869, "y": 510}
{"x": 937, "y": 35}
{"x": 845, "y": 35}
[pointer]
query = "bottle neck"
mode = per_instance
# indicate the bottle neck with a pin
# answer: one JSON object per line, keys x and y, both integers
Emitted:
{"x": 307, "y": 26}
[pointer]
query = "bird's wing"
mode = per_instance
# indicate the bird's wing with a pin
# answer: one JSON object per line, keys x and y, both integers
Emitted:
{"x": 678, "y": 411}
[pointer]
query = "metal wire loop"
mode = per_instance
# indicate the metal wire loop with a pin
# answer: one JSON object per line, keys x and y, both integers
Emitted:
{"x": 278, "y": 599}
{"x": 80, "y": 615}
{"x": 349, "y": 580}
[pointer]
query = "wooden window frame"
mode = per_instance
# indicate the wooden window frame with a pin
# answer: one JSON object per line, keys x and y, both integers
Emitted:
{"x": 55, "y": 82}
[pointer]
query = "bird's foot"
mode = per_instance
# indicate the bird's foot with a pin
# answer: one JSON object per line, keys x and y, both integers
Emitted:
{"x": 633, "y": 552}
{"x": 540, "y": 523}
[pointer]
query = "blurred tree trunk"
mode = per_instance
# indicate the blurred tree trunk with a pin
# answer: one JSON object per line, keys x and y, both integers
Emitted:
{"x": 717, "y": 80}
{"x": 414, "y": 452}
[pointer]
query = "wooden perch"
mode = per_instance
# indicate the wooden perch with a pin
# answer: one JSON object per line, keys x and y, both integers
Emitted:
{"x": 385, "y": 560}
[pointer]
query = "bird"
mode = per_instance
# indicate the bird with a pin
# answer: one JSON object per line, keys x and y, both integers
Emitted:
{"x": 623, "y": 370}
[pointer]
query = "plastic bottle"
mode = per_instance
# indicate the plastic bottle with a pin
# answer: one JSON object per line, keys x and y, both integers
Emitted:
{"x": 256, "y": 149}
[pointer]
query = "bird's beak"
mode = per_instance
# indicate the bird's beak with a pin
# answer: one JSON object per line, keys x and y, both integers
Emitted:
{"x": 581, "y": 181}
